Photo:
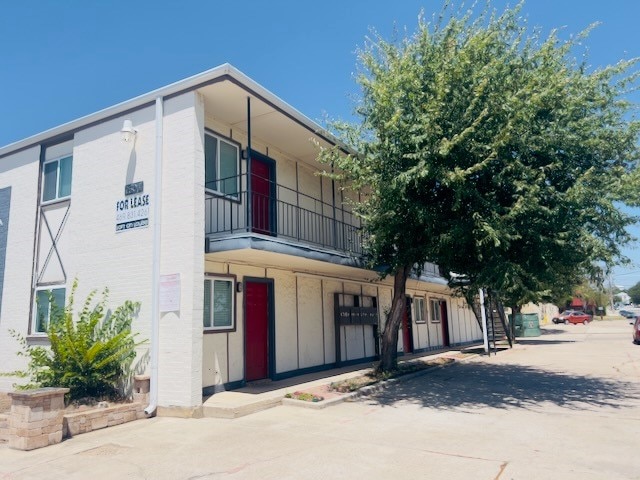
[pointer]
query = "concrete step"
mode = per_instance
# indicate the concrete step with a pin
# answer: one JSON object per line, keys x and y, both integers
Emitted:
{"x": 236, "y": 404}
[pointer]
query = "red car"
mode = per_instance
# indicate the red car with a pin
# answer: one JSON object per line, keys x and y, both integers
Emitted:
{"x": 573, "y": 316}
{"x": 636, "y": 331}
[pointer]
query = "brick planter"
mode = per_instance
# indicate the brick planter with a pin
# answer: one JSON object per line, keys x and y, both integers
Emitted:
{"x": 35, "y": 420}
{"x": 4, "y": 427}
{"x": 38, "y": 418}
{"x": 141, "y": 387}
{"x": 101, "y": 417}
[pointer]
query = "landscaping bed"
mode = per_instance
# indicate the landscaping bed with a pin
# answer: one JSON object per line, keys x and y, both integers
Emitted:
{"x": 323, "y": 395}
{"x": 371, "y": 378}
{"x": 304, "y": 396}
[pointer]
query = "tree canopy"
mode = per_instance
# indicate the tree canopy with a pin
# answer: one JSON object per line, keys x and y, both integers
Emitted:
{"x": 634, "y": 293}
{"x": 492, "y": 152}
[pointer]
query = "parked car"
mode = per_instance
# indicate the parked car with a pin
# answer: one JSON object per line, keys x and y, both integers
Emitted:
{"x": 636, "y": 331}
{"x": 630, "y": 314}
{"x": 572, "y": 316}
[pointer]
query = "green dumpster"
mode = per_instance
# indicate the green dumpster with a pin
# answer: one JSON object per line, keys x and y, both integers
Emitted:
{"x": 526, "y": 324}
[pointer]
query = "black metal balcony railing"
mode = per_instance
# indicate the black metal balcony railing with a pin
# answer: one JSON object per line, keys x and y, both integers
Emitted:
{"x": 279, "y": 211}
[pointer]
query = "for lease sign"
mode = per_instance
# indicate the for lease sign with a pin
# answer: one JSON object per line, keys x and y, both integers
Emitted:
{"x": 132, "y": 212}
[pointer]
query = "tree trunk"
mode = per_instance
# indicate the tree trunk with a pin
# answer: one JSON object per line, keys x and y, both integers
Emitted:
{"x": 512, "y": 324}
{"x": 389, "y": 340}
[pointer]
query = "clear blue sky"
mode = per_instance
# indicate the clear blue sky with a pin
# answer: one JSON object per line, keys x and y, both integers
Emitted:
{"x": 68, "y": 58}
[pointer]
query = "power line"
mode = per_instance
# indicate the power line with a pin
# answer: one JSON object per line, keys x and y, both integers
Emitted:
{"x": 627, "y": 273}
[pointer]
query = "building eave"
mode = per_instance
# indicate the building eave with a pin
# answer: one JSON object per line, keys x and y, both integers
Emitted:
{"x": 220, "y": 73}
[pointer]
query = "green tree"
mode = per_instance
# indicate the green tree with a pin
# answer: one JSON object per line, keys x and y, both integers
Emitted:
{"x": 91, "y": 355}
{"x": 634, "y": 293}
{"x": 489, "y": 151}
{"x": 593, "y": 293}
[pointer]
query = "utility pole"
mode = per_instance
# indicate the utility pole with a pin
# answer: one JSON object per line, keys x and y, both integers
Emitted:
{"x": 610, "y": 289}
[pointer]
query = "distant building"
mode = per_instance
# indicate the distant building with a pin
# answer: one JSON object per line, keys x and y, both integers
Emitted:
{"x": 623, "y": 298}
{"x": 545, "y": 311}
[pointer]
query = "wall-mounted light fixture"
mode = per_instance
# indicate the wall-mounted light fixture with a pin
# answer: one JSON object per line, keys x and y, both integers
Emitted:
{"x": 239, "y": 287}
{"x": 128, "y": 132}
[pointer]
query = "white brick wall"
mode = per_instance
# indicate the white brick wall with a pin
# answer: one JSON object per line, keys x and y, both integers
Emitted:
{"x": 99, "y": 257}
{"x": 20, "y": 172}
{"x": 180, "y": 367}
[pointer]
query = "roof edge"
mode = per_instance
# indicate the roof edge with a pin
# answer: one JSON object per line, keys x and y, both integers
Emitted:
{"x": 181, "y": 86}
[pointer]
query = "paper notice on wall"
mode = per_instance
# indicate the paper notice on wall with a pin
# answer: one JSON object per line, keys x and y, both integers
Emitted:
{"x": 170, "y": 293}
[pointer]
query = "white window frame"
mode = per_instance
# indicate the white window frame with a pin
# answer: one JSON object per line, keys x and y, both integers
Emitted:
{"x": 225, "y": 278}
{"x": 57, "y": 196}
{"x": 219, "y": 139}
{"x": 419, "y": 313}
{"x": 47, "y": 321}
{"x": 435, "y": 315}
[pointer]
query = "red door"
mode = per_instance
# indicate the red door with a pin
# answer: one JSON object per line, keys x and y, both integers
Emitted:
{"x": 256, "y": 330}
{"x": 407, "y": 337}
{"x": 261, "y": 196}
{"x": 445, "y": 323}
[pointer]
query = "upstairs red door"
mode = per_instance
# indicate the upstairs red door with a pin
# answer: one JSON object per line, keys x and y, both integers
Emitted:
{"x": 407, "y": 336}
{"x": 256, "y": 330}
{"x": 261, "y": 196}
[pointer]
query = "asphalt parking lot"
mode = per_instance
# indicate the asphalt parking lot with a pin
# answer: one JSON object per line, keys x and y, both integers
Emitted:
{"x": 565, "y": 405}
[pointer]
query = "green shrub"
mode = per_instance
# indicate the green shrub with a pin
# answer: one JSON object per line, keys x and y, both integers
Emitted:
{"x": 91, "y": 356}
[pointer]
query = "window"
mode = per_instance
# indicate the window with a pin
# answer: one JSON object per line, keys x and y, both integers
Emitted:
{"x": 419, "y": 307}
{"x": 56, "y": 182}
{"x": 219, "y": 311}
{"x": 221, "y": 165}
{"x": 435, "y": 310}
{"x": 47, "y": 299}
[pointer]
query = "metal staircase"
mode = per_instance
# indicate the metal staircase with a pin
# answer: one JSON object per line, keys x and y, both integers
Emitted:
{"x": 498, "y": 327}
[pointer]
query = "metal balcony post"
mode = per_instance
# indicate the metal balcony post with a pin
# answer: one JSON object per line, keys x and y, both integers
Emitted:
{"x": 333, "y": 205}
{"x": 297, "y": 203}
{"x": 249, "y": 221}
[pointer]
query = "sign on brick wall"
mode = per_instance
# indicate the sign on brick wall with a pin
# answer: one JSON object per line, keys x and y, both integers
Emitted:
{"x": 132, "y": 211}
{"x": 170, "y": 293}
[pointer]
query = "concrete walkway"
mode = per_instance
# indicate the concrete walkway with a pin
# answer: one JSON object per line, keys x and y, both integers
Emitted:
{"x": 565, "y": 405}
{"x": 261, "y": 395}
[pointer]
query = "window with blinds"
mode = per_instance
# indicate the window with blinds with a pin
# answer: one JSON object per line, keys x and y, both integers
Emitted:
{"x": 419, "y": 310}
{"x": 435, "y": 310}
{"x": 218, "y": 304}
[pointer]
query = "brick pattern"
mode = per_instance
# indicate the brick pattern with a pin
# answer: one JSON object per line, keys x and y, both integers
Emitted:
{"x": 141, "y": 387}
{"x": 95, "y": 419}
{"x": 4, "y": 428}
{"x": 36, "y": 418}
{"x": 5, "y": 402}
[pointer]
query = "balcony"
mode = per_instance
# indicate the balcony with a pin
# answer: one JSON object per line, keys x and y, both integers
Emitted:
{"x": 274, "y": 210}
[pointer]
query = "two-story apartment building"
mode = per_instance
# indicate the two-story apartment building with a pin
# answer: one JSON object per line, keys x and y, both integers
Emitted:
{"x": 202, "y": 200}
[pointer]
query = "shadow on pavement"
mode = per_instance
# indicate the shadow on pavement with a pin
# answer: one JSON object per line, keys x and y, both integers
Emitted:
{"x": 551, "y": 331}
{"x": 533, "y": 341}
{"x": 475, "y": 385}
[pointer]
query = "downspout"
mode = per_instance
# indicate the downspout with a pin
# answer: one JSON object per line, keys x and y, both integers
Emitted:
{"x": 155, "y": 294}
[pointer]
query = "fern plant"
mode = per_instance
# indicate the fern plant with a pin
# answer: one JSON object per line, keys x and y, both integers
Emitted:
{"x": 91, "y": 355}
